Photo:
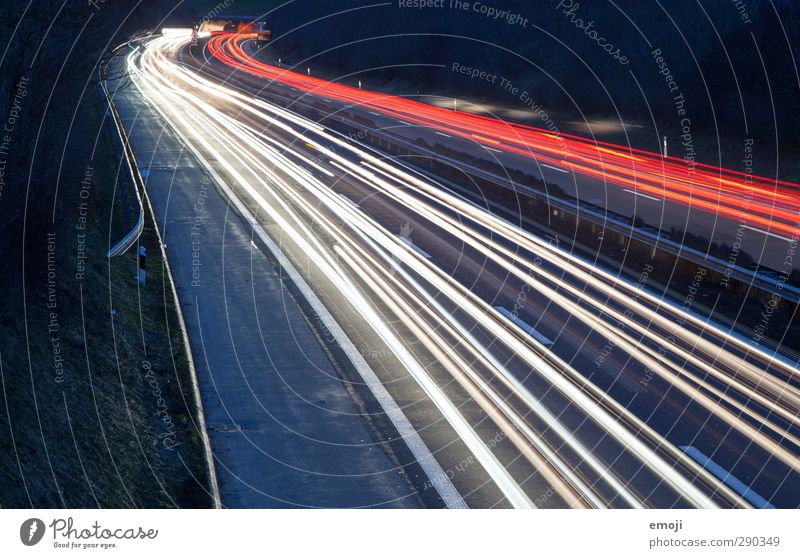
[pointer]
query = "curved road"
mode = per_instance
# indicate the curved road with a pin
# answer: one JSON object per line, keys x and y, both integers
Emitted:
{"x": 533, "y": 377}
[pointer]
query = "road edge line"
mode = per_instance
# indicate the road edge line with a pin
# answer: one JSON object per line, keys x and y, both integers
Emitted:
{"x": 200, "y": 412}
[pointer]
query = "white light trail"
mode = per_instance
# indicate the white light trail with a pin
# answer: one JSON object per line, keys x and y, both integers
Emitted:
{"x": 367, "y": 255}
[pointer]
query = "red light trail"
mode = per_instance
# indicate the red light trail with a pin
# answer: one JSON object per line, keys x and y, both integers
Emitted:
{"x": 749, "y": 199}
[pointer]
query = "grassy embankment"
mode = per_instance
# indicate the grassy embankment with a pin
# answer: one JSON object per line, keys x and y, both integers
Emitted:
{"x": 96, "y": 411}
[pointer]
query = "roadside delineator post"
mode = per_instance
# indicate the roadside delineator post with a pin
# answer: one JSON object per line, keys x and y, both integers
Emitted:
{"x": 142, "y": 257}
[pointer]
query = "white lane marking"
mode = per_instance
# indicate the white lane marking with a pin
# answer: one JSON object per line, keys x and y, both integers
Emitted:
{"x": 375, "y": 113}
{"x": 405, "y": 123}
{"x": 409, "y": 435}
{"x": 422, "y": 454}
{"x": 642, "y": 195}
{"x": 416, "y": 248}
{"x": 327, "y": 100}
{"x": 727, "y": 477}
{"x": 524, "y": 326}
{"x": 767, "y": 233}
{"x": 491, "y": 149}
{"x": 554, "y": 168}
{"x": 443, "y": 135}
{"x": 349, "y": 202}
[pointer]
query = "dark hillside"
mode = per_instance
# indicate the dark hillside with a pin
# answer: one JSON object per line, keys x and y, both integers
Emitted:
{"x": 79, "y": 422}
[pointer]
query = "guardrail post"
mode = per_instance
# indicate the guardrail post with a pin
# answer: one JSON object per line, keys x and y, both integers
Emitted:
{"x": 142, "y": 258}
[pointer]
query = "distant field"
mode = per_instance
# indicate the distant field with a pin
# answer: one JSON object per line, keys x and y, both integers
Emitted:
{"x": 234, "y": 7}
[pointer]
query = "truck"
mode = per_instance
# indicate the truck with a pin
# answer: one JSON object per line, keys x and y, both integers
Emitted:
{"x": 264, "y": 33}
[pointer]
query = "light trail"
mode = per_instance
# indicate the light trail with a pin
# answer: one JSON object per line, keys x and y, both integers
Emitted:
{"x": 773, "y": 204}
{"x": 155, "y": 87}
{"x": 367, "y": 262}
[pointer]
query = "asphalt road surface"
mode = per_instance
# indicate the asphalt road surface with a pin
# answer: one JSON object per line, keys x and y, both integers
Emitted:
{"x": 526, "y": 376}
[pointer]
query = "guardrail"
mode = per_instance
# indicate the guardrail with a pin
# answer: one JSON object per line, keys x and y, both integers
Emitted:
{"x": 129, "y": 240}
{"x": 656, "y": 238}
{"x": 138, "y": 184}
{"x": 593, "y": 214}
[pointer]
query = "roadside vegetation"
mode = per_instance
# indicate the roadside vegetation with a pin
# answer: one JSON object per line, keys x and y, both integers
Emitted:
{"x": 96, "y": 408}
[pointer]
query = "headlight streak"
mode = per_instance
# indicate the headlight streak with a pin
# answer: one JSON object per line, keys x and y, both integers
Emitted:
{"x": 492, "y": 250}
{"x": 486, "y": 458}
{"x": 589, "y": 273}
{"x": 244, "y": 144}
{"x": 563, "y": 468}
{"x": 508, "y": 378}
{"x": 491, "y": 403}
{"x": 330, "y": 229}
{"x": 252, "y": 163}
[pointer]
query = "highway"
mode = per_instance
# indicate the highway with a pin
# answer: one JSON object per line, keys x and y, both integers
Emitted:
{"x": 534, "y": 377}
{"x": 662, "y": 191}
